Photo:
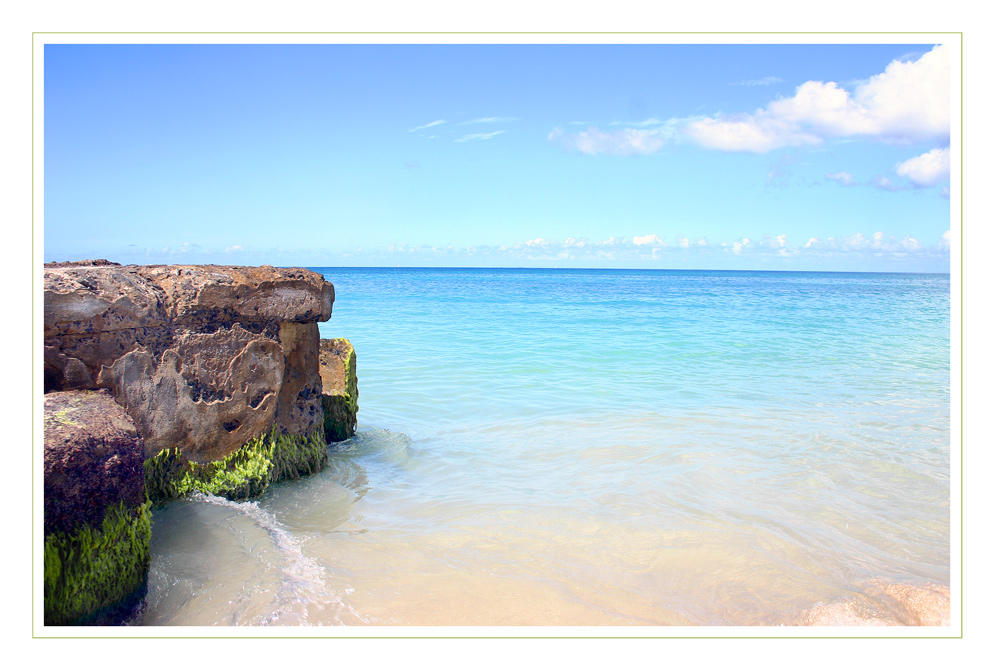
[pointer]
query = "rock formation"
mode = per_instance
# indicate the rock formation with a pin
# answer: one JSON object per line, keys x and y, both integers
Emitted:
{"x": 161, "y": 380}
{"x": 203, "y": 357}
{"x": 339, "y": 388}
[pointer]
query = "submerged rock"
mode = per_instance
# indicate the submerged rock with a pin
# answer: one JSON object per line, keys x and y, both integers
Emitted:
{"x": 887, "y": 605}
{"x": 340, "y": 389}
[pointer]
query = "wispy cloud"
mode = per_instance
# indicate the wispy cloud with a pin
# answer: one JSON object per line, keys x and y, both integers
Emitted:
{"x": 490, "y": 119}
{"x": 624, "y": 142}
{"x": 645, "y": 123}
{"x": 478, "y": 136}
{"x": 428, "y": 125}
{"x": 842, "y": 177}
{"x": 764, "y": 81}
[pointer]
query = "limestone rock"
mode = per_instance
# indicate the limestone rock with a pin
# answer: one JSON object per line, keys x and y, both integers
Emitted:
{"x": 93, "y": 459}
{"x": 340, "y": 389}
{"x": 203, "y": 358}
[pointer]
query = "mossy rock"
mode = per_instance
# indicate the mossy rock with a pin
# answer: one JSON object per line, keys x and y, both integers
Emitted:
{"x": 340, "y": 417}
{"x": 340, "y": 388}
{"x": 245, "y": 473}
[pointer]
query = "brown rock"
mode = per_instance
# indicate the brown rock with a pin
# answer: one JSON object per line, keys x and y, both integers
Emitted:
{"x": 87, "y": 262}
{"x": 93, "y": 459}
{"x": 201, "y": 357}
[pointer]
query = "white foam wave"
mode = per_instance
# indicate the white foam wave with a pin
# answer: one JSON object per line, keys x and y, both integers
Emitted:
{"x": 302, "y": 579}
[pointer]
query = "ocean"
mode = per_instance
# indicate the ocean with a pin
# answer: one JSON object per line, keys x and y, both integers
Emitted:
{"x": 597, "y": 447}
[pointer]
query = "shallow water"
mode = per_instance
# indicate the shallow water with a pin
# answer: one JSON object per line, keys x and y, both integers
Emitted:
{"x": 597, "y": 447}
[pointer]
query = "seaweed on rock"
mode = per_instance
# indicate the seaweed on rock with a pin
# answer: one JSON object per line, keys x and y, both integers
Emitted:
{"x": 245, "y": 473}
{"x": 94, "y": 569}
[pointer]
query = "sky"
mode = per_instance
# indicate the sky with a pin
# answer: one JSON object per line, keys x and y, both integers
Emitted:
{"x": 708, "y": 156}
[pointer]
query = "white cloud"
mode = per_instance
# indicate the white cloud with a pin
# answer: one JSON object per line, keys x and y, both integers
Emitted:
{"x": 756, "y": 134}
{"x": 478, "y": 136}
{"x": 908, "y": 102}
{"x": 927, "y": 169}
{"x": 766, "y": 251}
{"x": 945, "y": 241}
{"x": 844, "y": 178}
{"x": 883, "y": 183}
{"x": 652, "y": 239}
{"x": 233, "y": 248}
{"x": 428, "y": 125}
{"x": 624, "y": 142}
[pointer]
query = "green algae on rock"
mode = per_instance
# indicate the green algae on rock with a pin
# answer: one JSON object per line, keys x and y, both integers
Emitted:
{"x": 96, "y": 568}
{"x": 97, "y": 525}
{"x": 339, "y": 387}
{"x": 245, "y": 473}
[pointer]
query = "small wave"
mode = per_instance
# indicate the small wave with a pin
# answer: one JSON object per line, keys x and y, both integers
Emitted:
{"x": 302, "y": 580}
{"x": 383, "y": 444}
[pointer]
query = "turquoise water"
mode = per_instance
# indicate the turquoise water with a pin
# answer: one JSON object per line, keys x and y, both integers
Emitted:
{"x": 581, "y": 447}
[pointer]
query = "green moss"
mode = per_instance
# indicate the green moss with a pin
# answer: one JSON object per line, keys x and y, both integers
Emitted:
{"x": 94, "y": 569}
{"x": 341, "y": 409}
{"x": 340, "y": 417}
{"x": 245, "y": 473}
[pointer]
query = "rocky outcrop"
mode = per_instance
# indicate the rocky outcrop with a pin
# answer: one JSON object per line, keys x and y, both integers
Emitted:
{"x": 204, "y": 358}
{"x": 160, "y": 381}
{"x": 97, "y": 523}
{"x": 340, "y": 389}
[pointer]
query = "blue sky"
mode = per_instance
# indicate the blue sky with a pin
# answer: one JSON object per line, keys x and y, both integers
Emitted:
{"x": 824, "y": 157}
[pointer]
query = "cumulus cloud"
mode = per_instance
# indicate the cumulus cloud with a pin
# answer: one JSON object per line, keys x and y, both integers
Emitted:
{"x": 757, "y": 133}
{"x": 624, "y": 142}
{"x": 927, "y": 169}
{"x": 478, "y": 136}
{"x": 908, "y": 102}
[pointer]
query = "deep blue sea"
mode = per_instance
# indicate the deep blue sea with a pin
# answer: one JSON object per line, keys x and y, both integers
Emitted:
{"x": 589, "y": 447}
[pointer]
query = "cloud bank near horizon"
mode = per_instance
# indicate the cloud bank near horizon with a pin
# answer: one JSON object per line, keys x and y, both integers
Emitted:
{"x": 649, "y": 250}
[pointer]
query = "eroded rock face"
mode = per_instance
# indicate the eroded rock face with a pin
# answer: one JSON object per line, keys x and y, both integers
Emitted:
{"x": 201, "y": 357}
{"x": 93, "y": 459}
